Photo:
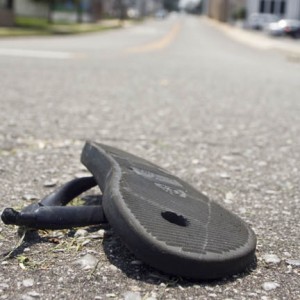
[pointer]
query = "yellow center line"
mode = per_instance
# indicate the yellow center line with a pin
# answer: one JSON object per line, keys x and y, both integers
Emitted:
{"x": 162, "y": 43}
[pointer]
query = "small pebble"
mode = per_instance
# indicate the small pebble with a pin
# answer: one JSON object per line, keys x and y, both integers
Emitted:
{"x": 113, "y": 268}
{"x": 151, "y": 298}
{"x": 98, "y": 234}
{"x": 132, "y": 295}
{"x": 135, "y": 288}
{"x": 34, "y": 294}
{"x": 224, "y": 175}
{"x": 293, "y": 262}
{"x": 87, "y": 262}
{"x": 50, "y": 183}
{"x": 262, "y": 163}
{"x": 4, "y": 286}
{"x": 28, "y": 282}
{"x": 270, "y": 285}
{"x": 228, "y": 198}
{"x": 80, "y": 233}
{"x": 271, "y": 192}
{"x": 195, "y": 161}
{"x": 228, "y": 157}
{"x": 29, "y": 197}
{"x": 200, "y": 170}
{"x": 101, "y": 232}
{"x": 85, "y": 242}
{"x": 27, "y": 297}
{"x": 271, "y": 258}
{"x": 242, "y": 210}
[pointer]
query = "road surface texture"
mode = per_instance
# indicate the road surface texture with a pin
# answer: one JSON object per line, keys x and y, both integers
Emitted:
{"x": 220, "y": 114}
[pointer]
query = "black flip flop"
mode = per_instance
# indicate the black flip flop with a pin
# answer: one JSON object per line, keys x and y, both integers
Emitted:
{"x": 163, "y": 220}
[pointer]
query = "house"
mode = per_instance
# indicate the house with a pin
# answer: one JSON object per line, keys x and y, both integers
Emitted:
{"x": 68, "y": 11}
{"x": 6, "y": 13}
{"x": 286, "y": 9}
{"x": 75, "y": 11}
{"x": 136, "y": 8}
{"x": 29, "y": 8}
{"x": 223, "y": 10}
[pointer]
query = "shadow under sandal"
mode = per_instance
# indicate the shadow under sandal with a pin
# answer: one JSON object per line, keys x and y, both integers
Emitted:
{"x": 163, "y": 220}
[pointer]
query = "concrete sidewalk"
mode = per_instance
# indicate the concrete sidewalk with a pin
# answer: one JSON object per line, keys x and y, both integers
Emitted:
{"x": 257, "y": 39}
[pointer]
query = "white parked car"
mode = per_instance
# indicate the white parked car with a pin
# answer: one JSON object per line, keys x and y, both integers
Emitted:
{"x": 274, "y": 29}
{"x": 284, "y": 27}
{"x": 259, "y": 21}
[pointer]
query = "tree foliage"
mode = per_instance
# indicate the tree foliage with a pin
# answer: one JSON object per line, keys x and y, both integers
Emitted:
{"x": 171, "y": 5}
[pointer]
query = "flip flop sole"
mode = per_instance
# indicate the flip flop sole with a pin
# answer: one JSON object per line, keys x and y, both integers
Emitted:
{"x": 166, "y": 222}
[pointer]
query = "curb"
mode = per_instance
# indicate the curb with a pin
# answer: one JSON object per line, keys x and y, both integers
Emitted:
{"x": 254, "y": 39}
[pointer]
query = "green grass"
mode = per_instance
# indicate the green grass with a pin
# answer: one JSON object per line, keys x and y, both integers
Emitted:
{"x": 36, "y": 26}
{"x": 37, "y": 23}
{"x": 13, "y": 32}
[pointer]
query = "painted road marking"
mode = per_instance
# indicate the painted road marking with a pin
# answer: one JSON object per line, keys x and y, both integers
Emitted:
{"x": 36, "y": 53}
{"x": 159, "y": 44}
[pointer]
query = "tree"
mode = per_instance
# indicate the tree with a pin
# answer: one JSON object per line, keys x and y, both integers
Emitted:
{"x": 10, "y": 4}
{"x": 171, "y": 5}
{"x": 51, "y": 6}
{"x": 7, "y": 17}
{"x": 121, "y": 9}
{"x": 79, "y": 10}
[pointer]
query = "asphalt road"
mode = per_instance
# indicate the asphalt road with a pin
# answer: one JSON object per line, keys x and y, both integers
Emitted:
{"x": 220, "y": 114}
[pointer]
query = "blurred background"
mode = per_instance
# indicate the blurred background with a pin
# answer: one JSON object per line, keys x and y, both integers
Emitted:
{"x": 275, "y": 17}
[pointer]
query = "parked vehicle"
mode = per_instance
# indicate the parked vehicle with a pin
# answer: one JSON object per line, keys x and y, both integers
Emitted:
{"x": 284, "y": 27}
{"x": 161, "y": 14}
{"x": 291, "y": 27}
{"x": 274, "y": 29}
{"x": 259, "y": 21}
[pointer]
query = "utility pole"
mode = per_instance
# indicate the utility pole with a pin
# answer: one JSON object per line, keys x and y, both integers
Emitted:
{"x": 79, "y": 11}
{"x": 121, "y": 8}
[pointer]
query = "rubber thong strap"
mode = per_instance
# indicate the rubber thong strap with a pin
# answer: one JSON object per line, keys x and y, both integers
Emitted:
{"x": 51, "y": 212}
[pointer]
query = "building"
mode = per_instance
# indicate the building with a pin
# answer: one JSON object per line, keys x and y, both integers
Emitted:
{"x": 223, "y": 10}
{"x": 29, "y": 8}
{"x": 218, "y": 9}
{"x": 133, "y": 8}
{"x": 6, "y": 13}
{"x": 287, "y": 9}
{"x": 72, "y": 11}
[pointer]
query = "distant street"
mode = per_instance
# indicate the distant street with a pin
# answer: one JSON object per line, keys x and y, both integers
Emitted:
{"x": 221, "y": 114}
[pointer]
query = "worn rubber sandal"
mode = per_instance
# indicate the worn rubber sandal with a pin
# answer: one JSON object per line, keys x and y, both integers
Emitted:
{"x": 164, "y": 221}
